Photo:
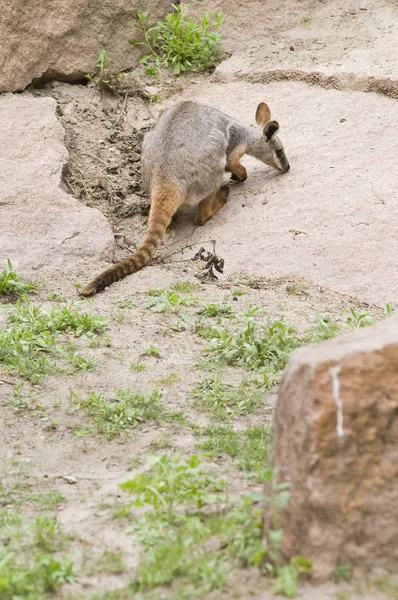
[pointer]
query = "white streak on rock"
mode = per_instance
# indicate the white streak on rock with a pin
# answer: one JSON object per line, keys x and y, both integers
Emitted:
{"x": 334, "y": 371}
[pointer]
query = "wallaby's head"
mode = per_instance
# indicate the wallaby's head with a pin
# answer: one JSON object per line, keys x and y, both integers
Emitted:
{"x": 271, "y": 150}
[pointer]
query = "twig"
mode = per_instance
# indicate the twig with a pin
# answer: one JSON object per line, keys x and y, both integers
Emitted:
{"x": 70, "y": 186}
{"x": 122, "y": 111}
{"x": 97, "y": 157}
{"x": 190, "y": 246}
{"x": 82, "y": 176}
{"x": 76, "y": 167}
{"x": 7, "y": 382}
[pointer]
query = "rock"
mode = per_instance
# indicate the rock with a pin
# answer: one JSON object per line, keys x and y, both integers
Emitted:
{"x": 61, "y": 39}
{"x": 42, "y": 225}
{"x": 70, "y": 479}
{"x": 335, "y": 440}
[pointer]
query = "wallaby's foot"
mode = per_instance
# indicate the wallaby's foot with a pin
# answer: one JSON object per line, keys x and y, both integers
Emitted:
{"x": 210, "y": 205}
{"x": 241, "y": 177}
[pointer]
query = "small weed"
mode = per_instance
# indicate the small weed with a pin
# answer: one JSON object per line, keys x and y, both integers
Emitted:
{"x": 325, "y": 329}
{"x": 46, "y": 501}
{"x": 342, "y": 572}
{"x": 155, "y": 99}
{"x": 12, "y": 283}
{"x": 161, "y": 442}
{"x": 151, "y": 351}
{"x": 179, "y": 41}
{"x": 249, "y": 447}
{"x": 224, "y": 401}
{"x": 32, "y": 336}
{"x": 171, "y": 485}
{"x": 152, "y": 71}
{"x": 165, "y": 301}
{"x": 104, "y": 78}
{"x": 216, "y": 310}
{"x": 183, "y": 287}
{"x": 357, "y": 319}
{"x": 28, "y": 568}
{"x": 81, "y": 363}
{"x": 56, "y": 297}
{"x": 128, "y": 411}
{"x": 306, "y": 20}
{"x": 262, "y": 345}
{"x": 188, "y": 542}
{"x": 388, "y": 586}
{"x": 20, "y": 401}
{"x": 109, "y": 562}
{"x": 136, "y": 367}
{"x": 238, "y": 293}
{"x": 169, "y": 380}
{"x": 123, "y": 303}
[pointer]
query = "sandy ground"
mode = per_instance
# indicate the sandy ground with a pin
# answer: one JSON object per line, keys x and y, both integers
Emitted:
{"x": 325, "y": 230}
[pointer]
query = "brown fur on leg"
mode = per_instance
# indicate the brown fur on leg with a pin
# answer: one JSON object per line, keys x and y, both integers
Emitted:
{"x": 238, "y": 171}
{"x": 210, "y": 205}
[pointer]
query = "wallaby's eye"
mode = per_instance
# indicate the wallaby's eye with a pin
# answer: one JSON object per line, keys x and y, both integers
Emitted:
{"x": 270, "y": 129}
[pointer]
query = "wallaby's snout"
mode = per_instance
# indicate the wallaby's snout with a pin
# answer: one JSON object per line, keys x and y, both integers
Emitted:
{"x": 272, "y": 152}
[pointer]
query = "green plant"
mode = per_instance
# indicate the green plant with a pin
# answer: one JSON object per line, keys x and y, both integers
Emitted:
{"x": 342, "y": 572}
{"x": 164, "y": 301}
{"x": 109, "y": 562}
{"x": 20, "y": 401}
{"x": 128, "y": 411}
{"x": 151, "y": 351}
{"x": 325, "y": 329}
{"x": 248, "y": 447}
{"x": 216, "y": 310}
{"x": 179, "y": 41}
{"x": 223, "y": 400}
{"x": 137, "y": 366}
{"x": 359, "y": 319}
{"x": 184, "y": 287}
{"x": 262, "y": 345}
{"x": 11, "y": 282}
{"x": 189, "y": 543}
{"x": 33, "y": 338}
{"x": 103, "y": 77}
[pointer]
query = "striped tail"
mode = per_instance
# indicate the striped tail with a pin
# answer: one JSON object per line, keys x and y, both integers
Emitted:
{"x": 166, "y": 198}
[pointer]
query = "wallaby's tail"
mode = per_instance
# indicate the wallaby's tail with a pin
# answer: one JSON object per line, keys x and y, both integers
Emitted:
{"x": 166, "y": 198}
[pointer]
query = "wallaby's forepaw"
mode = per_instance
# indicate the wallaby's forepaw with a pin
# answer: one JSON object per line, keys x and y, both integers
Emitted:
{"x": 239, "y": 178}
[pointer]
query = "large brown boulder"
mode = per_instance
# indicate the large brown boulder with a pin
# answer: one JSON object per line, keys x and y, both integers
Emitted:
{"x": 61, "y": 39}
{"x": 336, "y": 441}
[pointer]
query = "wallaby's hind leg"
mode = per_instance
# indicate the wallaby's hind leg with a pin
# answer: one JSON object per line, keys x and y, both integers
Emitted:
{"x": 238, "y": 171}
{"x": 210, "y": 205}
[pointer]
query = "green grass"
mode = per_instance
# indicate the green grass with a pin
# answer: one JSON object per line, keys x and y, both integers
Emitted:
{"x": 179, "y": 42}
{"x": 255, "y": 343}
{"x": 34, "y": 339}
{"x": 151, "y": 351}
{"x": 31, "y": 567}
{"x": 190, "y": 543}
{"x": 109, "y": 562}
{"x": 184, "y": 287}
{"x": 249, "y": 448}
{"x": 165, "y": 301}
{"x": 128, "y": 411}
{"x": 12, "y": 282}
{"x": 224, "y": 401}
{"x": 216, "y": 310}
{"x": 136, "y": 367}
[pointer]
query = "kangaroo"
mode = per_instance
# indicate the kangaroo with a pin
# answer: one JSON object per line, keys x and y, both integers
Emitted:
{"x": 183, "y": 161}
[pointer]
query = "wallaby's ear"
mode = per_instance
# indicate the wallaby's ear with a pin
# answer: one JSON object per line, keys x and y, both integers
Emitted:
{"x": 270, "y": 129}
{"x": 263, "y": 114}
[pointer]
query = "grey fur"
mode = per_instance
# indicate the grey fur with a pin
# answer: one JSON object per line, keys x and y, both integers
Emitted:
{"x": 191, "y": 143}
